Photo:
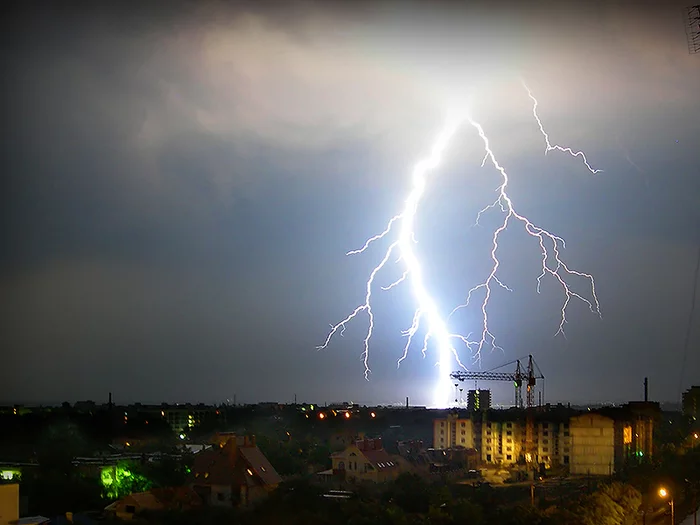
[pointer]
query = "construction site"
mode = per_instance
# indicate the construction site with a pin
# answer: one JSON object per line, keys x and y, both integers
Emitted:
{"x": 534, "y": 438}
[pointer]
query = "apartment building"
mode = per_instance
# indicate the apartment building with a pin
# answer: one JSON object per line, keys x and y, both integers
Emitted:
{"x": 596, "y": 442}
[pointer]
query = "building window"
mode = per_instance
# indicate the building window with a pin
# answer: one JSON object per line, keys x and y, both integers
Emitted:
{"x": 566, "y": 460}
{"x": 509, "y": 433}
{"x": 545, "y": 432}
{"x": 488, "y": 457}
{"x": 545, "y": 442}
{"x": 464, "y": 424}
{"x": 442, "y": 423}
{"x": 509, "y": 425}
{"x": 463, "y": 440}
{"x": 463, "y": 432}
{"x": 488, "y": 448}
{"x": 509, "y": 449}
{"x": 545, "y": 449}
{"x": 509, "y": 457}
{"x": 131, "y": 509}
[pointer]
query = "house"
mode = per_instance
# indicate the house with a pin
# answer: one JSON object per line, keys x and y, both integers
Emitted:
{"x": 179, "y": 498}
{"x": 365, "y": 460}
{"x": 9, "y": 503}
{"x": 233, "y": 473}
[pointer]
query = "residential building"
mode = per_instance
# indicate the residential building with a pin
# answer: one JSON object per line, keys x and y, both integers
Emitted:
{"x": 180, "y": 498}
{"x": 365, "y": 460}
{"x": 234, "y": 473}
{"x": 691, "y": 402}
{"x": 592, "y": 444}
{"x": 9, "y": 503}
{"x": 453, "y": 431}
{"x": 478, "y": 400}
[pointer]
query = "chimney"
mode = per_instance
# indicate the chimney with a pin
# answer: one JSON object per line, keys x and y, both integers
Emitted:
{"x": 378, "y": 443}
{"x": 252, "y": 441}
{"x": 646, "y": 389}
{"x": 406, "y": 401}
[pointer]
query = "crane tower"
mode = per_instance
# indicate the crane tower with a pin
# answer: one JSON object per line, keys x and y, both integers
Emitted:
{"x": 692, "y": 28}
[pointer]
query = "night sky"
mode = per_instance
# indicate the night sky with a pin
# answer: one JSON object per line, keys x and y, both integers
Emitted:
{"x": 181, "y": 182}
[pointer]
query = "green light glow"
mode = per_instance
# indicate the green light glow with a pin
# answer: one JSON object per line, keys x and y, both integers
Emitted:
{"x": 120, "y": 481}
{"x": 10, "y": 474}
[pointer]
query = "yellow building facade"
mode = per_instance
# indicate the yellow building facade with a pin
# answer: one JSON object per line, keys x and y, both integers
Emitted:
{"x": 593, "y": 445}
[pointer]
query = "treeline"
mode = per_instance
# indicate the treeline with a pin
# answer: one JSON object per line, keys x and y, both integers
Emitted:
{"x": 411, "y": 501}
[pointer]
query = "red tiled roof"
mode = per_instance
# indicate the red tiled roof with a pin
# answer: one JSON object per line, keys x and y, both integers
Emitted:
{"x": 228, "y": 465}
{"x": 176, "y": 496}
{"x": 380, "y": 459}
{"x": 260, "y": 466}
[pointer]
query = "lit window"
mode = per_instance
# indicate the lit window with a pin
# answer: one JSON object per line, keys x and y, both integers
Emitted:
{"x": 263, "y": 469}
{"x": 250, "y": 472}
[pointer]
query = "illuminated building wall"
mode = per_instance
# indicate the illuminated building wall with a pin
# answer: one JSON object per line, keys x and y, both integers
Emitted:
{"x": 453, "y": 432}
{"x": 9, "y": 503}
{"x": 502, "y": 441}
{"x": 592, "y": 444}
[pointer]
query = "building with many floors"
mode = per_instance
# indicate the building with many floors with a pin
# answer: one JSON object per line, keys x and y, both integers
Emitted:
{"x": 691, "y": 402}
{"x": 592, "y": 442}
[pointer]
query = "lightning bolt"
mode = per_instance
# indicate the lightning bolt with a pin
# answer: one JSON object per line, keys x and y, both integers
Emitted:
{"x": 402, "y": 226}
{"x": 554, "y": 147}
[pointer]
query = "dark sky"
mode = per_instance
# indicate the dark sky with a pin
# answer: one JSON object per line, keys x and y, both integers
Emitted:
{"x": 181, "y": 181}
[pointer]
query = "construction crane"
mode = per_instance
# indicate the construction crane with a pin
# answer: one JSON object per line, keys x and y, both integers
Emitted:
{"x": 692, "y": 28}
{"x": 518, "y": 377}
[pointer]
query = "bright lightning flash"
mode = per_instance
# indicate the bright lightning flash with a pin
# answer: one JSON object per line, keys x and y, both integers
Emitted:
{"x": 426, "y": 310}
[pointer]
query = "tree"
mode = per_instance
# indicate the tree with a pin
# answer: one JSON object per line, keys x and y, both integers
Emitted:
{"x": 123, "y": 479}
{"x": 410, "y": 492}
{"x": 465, "y": 511}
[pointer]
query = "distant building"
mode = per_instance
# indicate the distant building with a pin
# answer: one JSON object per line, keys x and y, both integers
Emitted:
{"x": 234, "y": 473}
{"x": 365, "y": 460}
{"x": 181, "y": 418}
{"x": 478, "y": 400}
{"x": 691, "y": 402}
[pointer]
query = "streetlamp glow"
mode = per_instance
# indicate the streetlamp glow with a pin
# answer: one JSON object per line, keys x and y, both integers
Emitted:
{"x": 666, "y": 494}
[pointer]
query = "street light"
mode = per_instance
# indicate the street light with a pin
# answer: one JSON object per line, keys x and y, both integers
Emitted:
{"x": 666, "y": 494}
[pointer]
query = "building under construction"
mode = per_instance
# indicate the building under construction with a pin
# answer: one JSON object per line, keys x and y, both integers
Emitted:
{"x": 538, "y": 435}
{"x": 596, "y": 442}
